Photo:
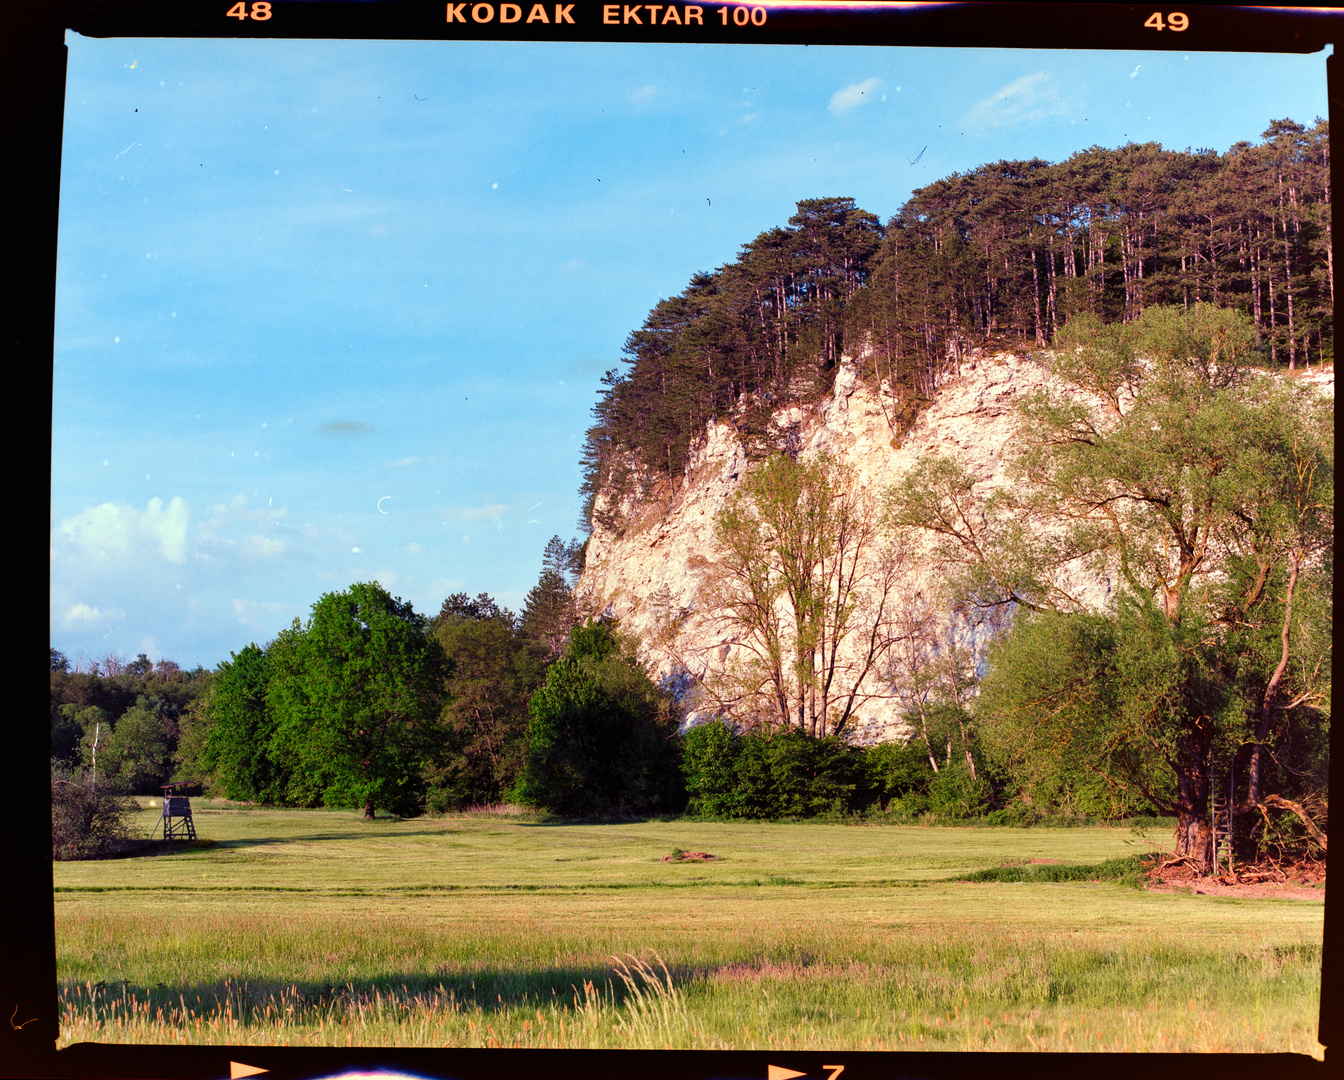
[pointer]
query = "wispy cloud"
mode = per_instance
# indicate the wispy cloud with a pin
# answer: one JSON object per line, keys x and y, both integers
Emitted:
{"x": 481, "y": 513}
{"x": 1023, "y": 101}
{"x": 261, "y": 615}
{"x": 238, "y": 511}
{"x": 854, "y": 95}
{"x": 263, "y": 547}
{"x": 345, "y": 428}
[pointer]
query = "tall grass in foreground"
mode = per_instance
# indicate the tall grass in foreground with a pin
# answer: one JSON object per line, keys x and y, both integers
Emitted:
{"x": 960, "y": 990}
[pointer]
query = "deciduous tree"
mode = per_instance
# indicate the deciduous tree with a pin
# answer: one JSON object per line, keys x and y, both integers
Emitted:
{"x": 601, "y": 736}
{"x": 359, "y": 701}
{"x": 1205, "y": 492}
{"x": 801, "y": 587}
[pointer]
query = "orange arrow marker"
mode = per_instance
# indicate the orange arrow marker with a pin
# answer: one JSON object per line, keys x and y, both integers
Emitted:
{"x": 237, "y": 1070}
{"x": 774, "y": 1072}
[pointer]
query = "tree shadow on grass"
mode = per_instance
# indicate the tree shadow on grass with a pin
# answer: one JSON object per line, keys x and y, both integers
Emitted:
{"x": 450, "y": 988}
{"x": 144, "y": 848}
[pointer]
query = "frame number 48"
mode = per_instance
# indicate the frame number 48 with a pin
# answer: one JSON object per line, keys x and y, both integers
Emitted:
{"x": 1177, "y": 20}
{"x": 261, "y": 11}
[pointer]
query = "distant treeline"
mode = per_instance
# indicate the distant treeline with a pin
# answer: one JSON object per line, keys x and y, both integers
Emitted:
{"x": 134, "y": 726}
{"x": 1006, "y": 252}
{"x": 125, "y": 719}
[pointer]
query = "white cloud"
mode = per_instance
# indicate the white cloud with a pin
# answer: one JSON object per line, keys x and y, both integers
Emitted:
{"x": 404, "y": 461}
{"x": 236, "y": 528}
{"x": 261, "y": 615}
{"x": 83, "y": 615}
{"x": 120, "y": 530}
{"x": 854, "y": 95}
{"x": 1026, "y": 100}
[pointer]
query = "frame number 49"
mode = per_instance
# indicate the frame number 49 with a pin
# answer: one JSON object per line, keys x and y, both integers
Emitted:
{"x": 1177, "y": 20}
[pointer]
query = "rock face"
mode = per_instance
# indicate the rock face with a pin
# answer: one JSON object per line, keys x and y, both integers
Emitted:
{"x": 667, "y": 536}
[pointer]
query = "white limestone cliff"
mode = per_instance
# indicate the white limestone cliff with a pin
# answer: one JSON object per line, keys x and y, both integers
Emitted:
{"x": 971, "y": 419}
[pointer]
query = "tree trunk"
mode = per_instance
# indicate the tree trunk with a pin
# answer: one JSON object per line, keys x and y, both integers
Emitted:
{"x": 1267, "y": 706}
{"x": 1194, "y": 838}
{"x": 1194, "y": 833}
{"x": 368, "y": 809}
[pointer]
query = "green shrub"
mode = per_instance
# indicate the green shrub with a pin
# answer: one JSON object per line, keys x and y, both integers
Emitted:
{"x": 954, "y": 793}
{"x": 709, "y": 762}
{"x": 894, "y": 770}
{"x": 88, "y": 816}
{"x": 784, "y": 774}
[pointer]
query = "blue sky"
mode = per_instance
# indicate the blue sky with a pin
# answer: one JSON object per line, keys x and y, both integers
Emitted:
{"x": 336, "y": 311}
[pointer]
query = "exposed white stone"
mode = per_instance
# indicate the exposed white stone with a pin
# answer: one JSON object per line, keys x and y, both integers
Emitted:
{"x": 668, "y": 536}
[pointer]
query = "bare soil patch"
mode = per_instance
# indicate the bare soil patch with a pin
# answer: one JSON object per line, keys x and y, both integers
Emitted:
{"x": 689, "y": 856}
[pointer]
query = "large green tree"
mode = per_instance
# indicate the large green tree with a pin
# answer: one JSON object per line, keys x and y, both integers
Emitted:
{"x": 358, "y": 694}
{"x": 549, "y": 612}
{"x": 1204, "y": 492}
{"x": 130, "y": 753}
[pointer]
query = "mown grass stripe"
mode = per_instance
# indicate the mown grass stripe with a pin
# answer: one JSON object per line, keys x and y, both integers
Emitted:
{"x": 418, "y": 890}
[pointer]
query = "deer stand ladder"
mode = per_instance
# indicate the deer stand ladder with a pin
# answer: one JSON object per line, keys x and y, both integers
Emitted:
{"x": 176, "y": 818}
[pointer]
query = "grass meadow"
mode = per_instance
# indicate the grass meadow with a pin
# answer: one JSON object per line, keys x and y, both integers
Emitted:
{"x": 314, "y": 927}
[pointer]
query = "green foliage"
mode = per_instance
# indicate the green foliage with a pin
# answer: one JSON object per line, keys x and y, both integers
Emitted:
{"x": 164, "y": 690}
{"x": 493, "y": 675}
{"x": 766, "y": 328}
{"x": 709, "y": 760}
{"x": 791, "y": 774}
{"x": 239, "y": 750}
{"x": 130, "y": 753}
{"x": 1127, "y": 870}
{"x": 1073, "y": 697}
{"x": 955, "y": 794}
{"x": 601, "y": 736}
{"x": 357, "y": 696}
{"x": 548, "y": 613}
{"x": 193, "y": 739}
{"x": 808, "y": 776}
{"x": 1204, "y": 493}
{"x": 1006, "y": 252}
{"x": 69, "y": 722}
{"x": 896, "y": 770}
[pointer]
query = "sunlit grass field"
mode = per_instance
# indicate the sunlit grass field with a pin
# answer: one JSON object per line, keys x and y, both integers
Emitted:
{"x": 314, "y": 927}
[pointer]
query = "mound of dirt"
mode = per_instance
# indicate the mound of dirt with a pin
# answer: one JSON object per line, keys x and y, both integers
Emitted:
{"x": 689, "y": 856}
{"x": 1303, "y": 880}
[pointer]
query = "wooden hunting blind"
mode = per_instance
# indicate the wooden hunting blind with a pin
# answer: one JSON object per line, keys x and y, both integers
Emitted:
{"x": 176, "y": 819}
